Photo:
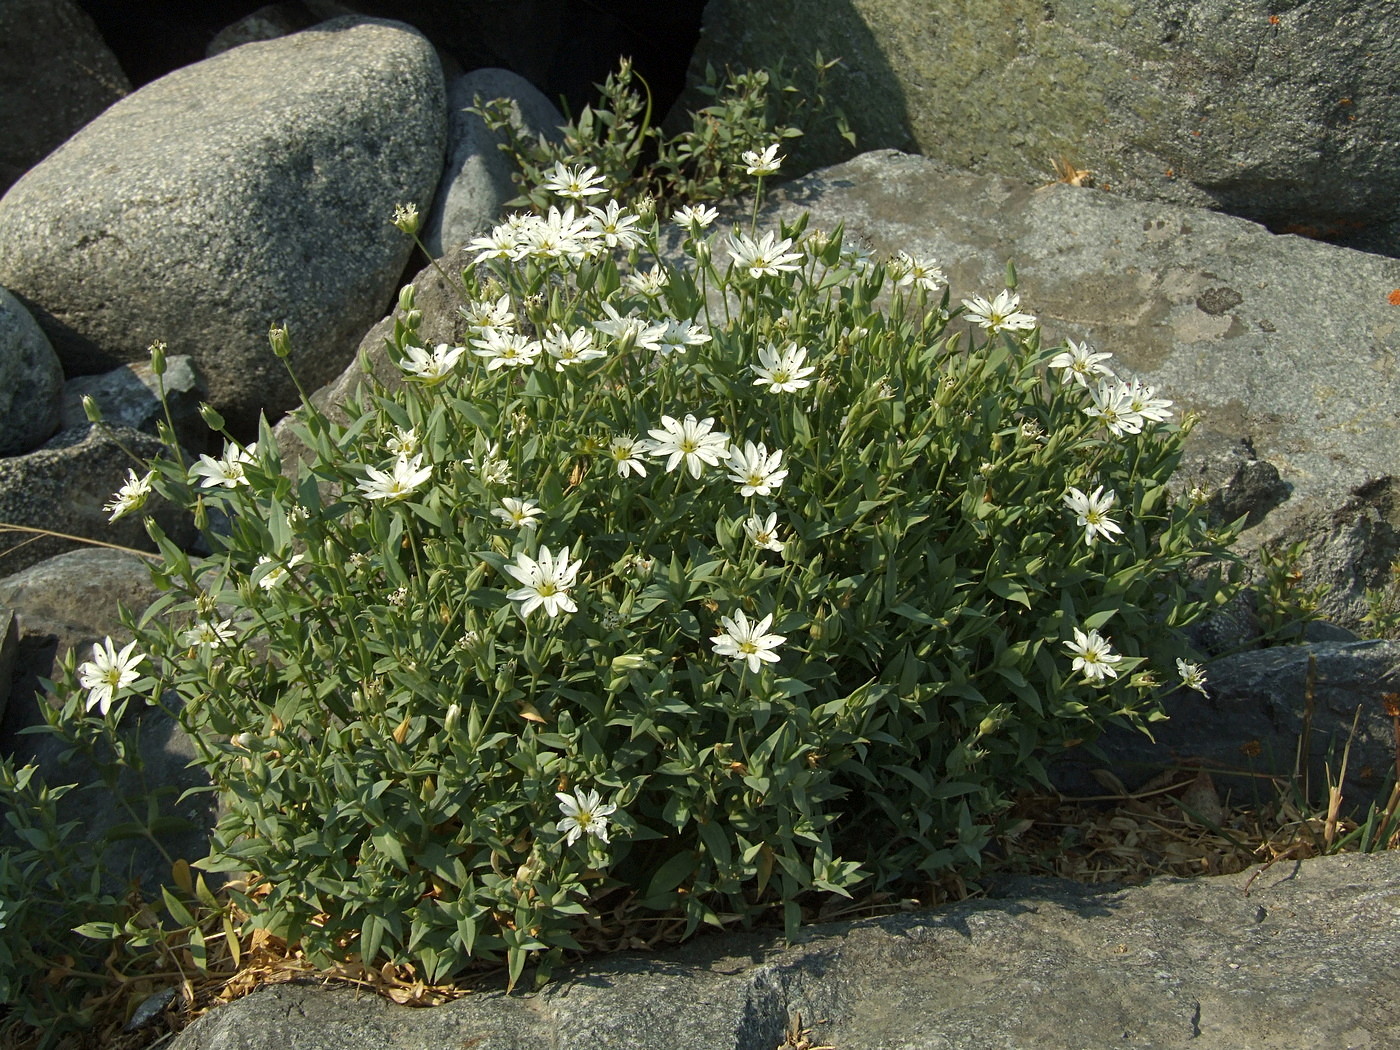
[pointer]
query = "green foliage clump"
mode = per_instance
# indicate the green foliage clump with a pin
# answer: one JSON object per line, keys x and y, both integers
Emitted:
{"x": 702, "y": 578}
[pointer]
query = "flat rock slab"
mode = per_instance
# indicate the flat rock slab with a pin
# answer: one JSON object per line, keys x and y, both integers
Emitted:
{"x": 1301, "y": 958}
{"x": 1286, "y": 348}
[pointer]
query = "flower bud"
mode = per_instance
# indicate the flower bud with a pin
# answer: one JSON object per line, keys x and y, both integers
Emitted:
{"x": 211, "y": 417}
{"x": 157, "y": 357}
{"x": 406, "y": 294}
{"x": 92, "y": 409}
{"x": 453, "y": 716}
{"x": 280, "y": 340}
{"x": 406, "y": 218}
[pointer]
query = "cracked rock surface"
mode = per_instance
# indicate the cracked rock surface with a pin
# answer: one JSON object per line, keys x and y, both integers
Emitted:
{"x": 1298, "y": 956}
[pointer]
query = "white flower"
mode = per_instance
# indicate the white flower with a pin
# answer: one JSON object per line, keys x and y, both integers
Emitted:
{"x": 768, "y": 256}
{"x": 504, "y": 349}
{"x": 277, "y": 575}
{"x": 1081, "y": 363}
{"x": 557, "y": 235}
{"x": 783, "y": 372}
{"x": 626, "y": 452}
{"x": 1113, "y": 406}
{"x": 694, "y": 217}
{"x": 577, "y": 183}
{"x": 1143, "y": 401}
{"x": 689, "y": 440}
{"x": 763, "y": 533}
{"x": 1000, "y": 315}
{"x": 757, "y": 471}
{"x": 584, "y": 814}
{"x": 1193, "y": 676}
{"x": 743, "y": 640}
{"x": 680, "y": 336}
{"x": 503, "y": 242}
{"x": 209, "y": 633}
{"x": 766, "y": 163}
{"x": 403, "y": 442}
{"x": 1093, "y": 655}
{"x": 616, "y": 227}
{"x": 648, "y": 283}
{"x": 108, "y": 673}
{"x": 131, "y": 496}
{"x": 519, "y": 514}
{"x": 914, "y": 270}
{"x": 570, "y": 348}
{"x": 492, "y": 470}
{"x": 398, "y": 482}
{"x": 484, "y": 314}
{"x": 545, "y": 582}
{"x": 228, "y": 471}
{"x": 431, "y": 366}
{"x": 1092, "y": 513}
{"x": 630, "y": 331}
{"x": 858, "y": 257}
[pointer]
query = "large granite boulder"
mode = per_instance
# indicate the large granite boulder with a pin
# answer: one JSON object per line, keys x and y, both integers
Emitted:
{"x": 31, "y": 380}
{"x": 1281, "y": 113}
{"x": 56, "y": 74}
{"x": 251, "y": 188}
{"x": 1285, "y": 348}
{"x": 1301, "y": 956}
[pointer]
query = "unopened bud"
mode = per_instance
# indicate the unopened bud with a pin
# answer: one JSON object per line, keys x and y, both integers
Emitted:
{"x": 157, "y": 357}
{"x": 211, "y": 417}
{"x": 280, "y": 340}
{"x": 406, "y": 294}
{"x": 453, "y": 716}
{"x": 92, "y": 409}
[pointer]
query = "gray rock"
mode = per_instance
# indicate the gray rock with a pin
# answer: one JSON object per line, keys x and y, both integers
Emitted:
{"x": 1245, "y": 732}
{"x": 56, "y": 74}
{"x": 130, "y": 397}
{"x": 1160, "y": 101}
{"x": 1285, "y": 348}
{"x": 9, "y": 653}
{"x": 31, "y": 380}
{"x": 63, "y": 486}
{"x": 1301, "y": 958}
{"x": 476, "y": 182}
{"x": 251, "y": 188}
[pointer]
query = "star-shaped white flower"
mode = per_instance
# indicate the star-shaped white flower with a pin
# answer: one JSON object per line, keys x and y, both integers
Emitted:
{"x": 1092, "y": 513}
{"x": 1081, "y": 363}
{"x": 694, "y": 217}
{"x": 399, "y": 481}
{"x": 1000, "y": 315}
{"x": 576, "y": 183}
{"x": 1093, "y": 655}
{"x": 503, "y": 349}
{"x": 1112, "y": 406}
{"x": 108, "y": 673}
{"x": 1193, "y": 676}
{"x": 570, "y": 348}
{"x": 616, "y": 227}
{"x": 209, "y": 633}
{"x": 227, "y": 471}
{"x": 431, "y": 367}
{"x": 681, "y": 336}
{"x": 690, "y": 441}
{"x": 630, "y": 331}
{"x": 913, "y": 270}
{"x": 626, "y": 452}
{"x": 277, "y": 575}
{"x": 763, "y": 532}
{"x": 544, "y": 582}
{"x": 584, "y": 814}
{"x": 766, "y": 162}
{"x": 765, "y": 257}
{"x": 783, "y": 371}
{"x": 756, "y": 470}
{"x": 518, "y": 513}
{"x": 747, "y": 641}
{"x": 131, "y": 496}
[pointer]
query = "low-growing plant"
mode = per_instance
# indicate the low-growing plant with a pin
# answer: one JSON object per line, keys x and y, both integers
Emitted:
{"x": 634, "y": 158}
{"x": 1284, "y": 606}
{"x": 713, "y": 571}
